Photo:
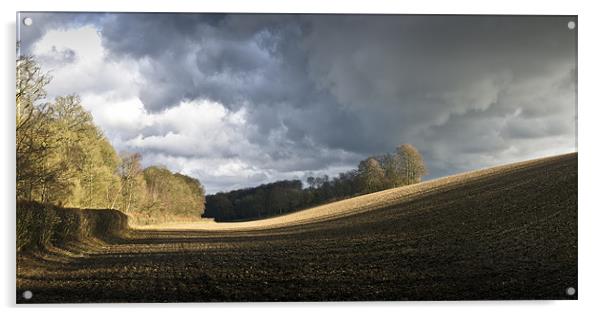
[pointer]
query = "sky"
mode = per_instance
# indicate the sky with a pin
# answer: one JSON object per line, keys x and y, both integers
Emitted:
{"x": 236, "y": 100}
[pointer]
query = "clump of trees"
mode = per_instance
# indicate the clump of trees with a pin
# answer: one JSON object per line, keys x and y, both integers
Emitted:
{"x": 173, "y": 193}
{"x": 262, "y": 201}
{"x": 155, "y": 194}
{"x": 64, "y": 159}
{"x": 403, "y": 167}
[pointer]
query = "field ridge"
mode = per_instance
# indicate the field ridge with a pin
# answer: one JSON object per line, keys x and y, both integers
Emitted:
{"x": 362, "y": 203}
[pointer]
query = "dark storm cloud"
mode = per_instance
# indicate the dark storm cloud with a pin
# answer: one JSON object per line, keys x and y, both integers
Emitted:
{"x": 153, "y": 35}
{"x": 410, "y": 77}
{"x": 256, "y": 60}
{"x": 326, "y": 90}
{"x": 230, "y": 59}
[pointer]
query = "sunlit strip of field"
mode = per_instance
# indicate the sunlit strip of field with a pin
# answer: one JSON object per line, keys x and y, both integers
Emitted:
{"x": 355, "y": 205}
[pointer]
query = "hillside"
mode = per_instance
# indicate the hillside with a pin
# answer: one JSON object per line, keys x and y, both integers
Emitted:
{"x": 363, "y": 203}
{"x": 508, "y": 232}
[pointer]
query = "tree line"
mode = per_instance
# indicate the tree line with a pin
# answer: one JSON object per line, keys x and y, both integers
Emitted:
{"x": 64, "y": 159}
{"x": 403, "y": 167}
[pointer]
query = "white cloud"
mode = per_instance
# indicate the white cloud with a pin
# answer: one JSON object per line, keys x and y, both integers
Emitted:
{"x": 192, "y": 128}
{"x": 78, "y": 63}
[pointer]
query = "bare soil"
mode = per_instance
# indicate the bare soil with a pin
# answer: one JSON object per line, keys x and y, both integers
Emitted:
{"x": 508, "y": 232}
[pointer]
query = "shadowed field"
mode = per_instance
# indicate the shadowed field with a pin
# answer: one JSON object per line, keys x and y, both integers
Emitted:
{"x": 508, "y": 232}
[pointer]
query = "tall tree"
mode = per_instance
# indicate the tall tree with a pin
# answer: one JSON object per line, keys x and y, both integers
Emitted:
{"x": 33, "y": 132}
{"x": 133, "y": 186}
{"x": 413, "y": 167}
{"x": 372, "y": 175}
{"x": 78, "y": 150}
{"x": 394, "y": 169}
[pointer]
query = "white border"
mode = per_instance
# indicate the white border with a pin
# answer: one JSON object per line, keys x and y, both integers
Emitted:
{"x": 590, "y": 142}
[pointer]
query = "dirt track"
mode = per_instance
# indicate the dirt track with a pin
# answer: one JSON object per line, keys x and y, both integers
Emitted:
{"x": 503, "y": 233}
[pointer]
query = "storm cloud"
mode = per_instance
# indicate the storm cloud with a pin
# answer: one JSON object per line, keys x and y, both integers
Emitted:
{"x": 241, "y": 99}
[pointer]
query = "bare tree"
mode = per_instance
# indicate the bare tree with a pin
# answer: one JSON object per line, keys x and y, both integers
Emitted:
{"x": 132, "y": 180}
{"x": 372, "y": 175}
{"x": 412, "y": 164}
